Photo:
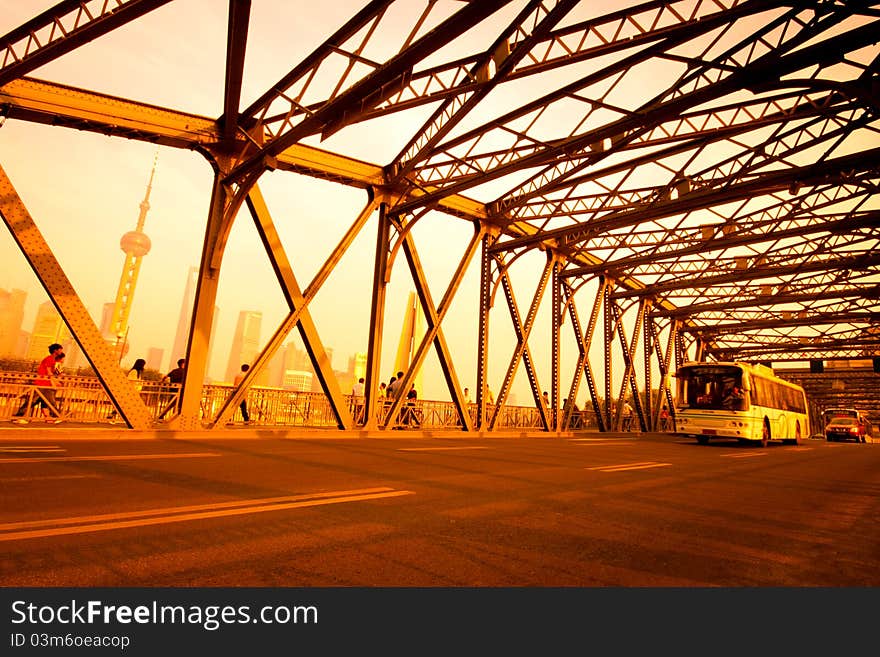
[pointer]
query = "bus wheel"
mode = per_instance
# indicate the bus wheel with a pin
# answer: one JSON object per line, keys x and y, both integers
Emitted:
{"x": 765, "y": 433}
{"x": 703, "y": 440}
{"x": 797, "y": 435}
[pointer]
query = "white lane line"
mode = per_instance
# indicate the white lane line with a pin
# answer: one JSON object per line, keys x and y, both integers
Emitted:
{"x": 187, "y": 513}
{"x": 627, "y": 444}
{"x": 125, "y": 515}
{"x": 597, "y": 440}
{"x": 19, "y": 449}
{"x": 622, "y": 467}
{"x": 49, "y": 477}
{"x": 635, "y": 467}
{"x": 744, "y": 456}
{"x": 438, "y": 449}
{"x": 121, "y": 457}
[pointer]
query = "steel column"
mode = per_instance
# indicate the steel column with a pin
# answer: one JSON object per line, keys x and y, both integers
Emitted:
{"x": 608, "y": 337}
{"x": 486, "y": 284}
{"x": 377, "y": 319}
{"x": 568, "y": 300}
{"x": 649, "y": 349}
{"x": 556, "y": 318}
{"x": 189, "y": 415}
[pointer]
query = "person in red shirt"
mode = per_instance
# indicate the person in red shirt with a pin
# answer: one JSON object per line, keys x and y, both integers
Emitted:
{"x": 49, "y": 368}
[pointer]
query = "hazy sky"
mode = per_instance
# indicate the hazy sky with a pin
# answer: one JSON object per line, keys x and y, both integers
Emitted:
{"x": 84, "y": 189}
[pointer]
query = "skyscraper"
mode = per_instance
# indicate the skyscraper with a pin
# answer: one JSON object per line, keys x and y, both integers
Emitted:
{"x": 357, "y": 368}
{"x": 358, "y": 365}
{"x": 11, "y": 317}
{"x": 106, "y": 319}
{"x": 298, "y": 380}
{"x": 245, "y": 343}
{"x": 48, "y": 328}
{"x": 185, "y": 319}
{"x": 411, "y": 334}
{"x": 186, "y": 309}
{"x": 118, "y": 343}
{"x": 154, "y": 358}
{"x": 288, "y": 357}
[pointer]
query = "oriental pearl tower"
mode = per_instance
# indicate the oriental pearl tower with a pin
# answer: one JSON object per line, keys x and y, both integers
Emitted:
{"x": 135, "y": 244}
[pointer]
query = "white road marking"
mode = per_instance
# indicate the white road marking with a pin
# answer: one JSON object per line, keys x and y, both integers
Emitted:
{"x": 20, "y": 449}
{"x": 603, "y": 444}
{"x": 598, "y": 440}
{"x": 438, "y": 449}
{"x": 642, "y": 465}
{"x": 120, "y": 457}
{"x": 105, "y": 522}
{"x": 49, "y": 477}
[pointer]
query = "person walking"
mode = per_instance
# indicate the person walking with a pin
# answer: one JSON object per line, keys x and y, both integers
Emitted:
{"x": 576, "y": 419}
{"x": 243, "y": 406}
{"x": 177, "y": 374}
{"x": 391, "y": 391}
{"x": 136, "y": 373}
{"x": 627, "y": 416}
{"x": 394, "y": 384}
{"x": 46, "y": 382}
{"x": 175, "y": 378}
{"x": 571, "y": 410}
{"x": 410, "y": 418}
{"x": 357, "y": 401}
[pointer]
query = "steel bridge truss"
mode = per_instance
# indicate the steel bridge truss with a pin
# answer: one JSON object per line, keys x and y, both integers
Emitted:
{"x": 705, "y": 183}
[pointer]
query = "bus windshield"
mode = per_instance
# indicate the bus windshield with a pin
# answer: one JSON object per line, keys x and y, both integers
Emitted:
{"x": 714, "y": 387}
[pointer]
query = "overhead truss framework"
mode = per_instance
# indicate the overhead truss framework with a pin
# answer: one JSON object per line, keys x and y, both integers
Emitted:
{"x": 702, "y": 174}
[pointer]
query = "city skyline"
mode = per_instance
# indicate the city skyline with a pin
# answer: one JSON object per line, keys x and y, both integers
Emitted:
{"x": 311, "y": 214}
{"x": 48, "y": 326}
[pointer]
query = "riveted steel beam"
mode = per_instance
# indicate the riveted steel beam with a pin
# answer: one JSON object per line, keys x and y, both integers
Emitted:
{"x": 63, "y": 28}
{"x": 39, "y": 255}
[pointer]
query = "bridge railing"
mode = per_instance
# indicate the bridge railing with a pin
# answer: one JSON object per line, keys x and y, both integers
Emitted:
{"x": 83, "y": 400}
{"x": 76, "y": 399}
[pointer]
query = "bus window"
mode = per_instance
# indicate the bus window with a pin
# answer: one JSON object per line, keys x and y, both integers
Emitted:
{"x": 710, "y": 387}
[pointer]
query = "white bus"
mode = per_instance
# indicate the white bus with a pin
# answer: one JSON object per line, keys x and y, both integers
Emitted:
{"x": 739, "y": 400}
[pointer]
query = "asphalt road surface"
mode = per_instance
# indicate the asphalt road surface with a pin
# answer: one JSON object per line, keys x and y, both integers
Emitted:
{"x": 597, "y": 510}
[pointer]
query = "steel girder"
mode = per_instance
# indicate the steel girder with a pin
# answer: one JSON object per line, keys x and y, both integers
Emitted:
{"x": 739, "y": 192}
{"x": 122, "y": 392}
{"x": 62, "y": 28}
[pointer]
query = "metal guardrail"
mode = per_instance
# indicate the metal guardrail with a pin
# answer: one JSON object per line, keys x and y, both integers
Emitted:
{"x": 74, "y": 399}
{"x": 83, "y": 400}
